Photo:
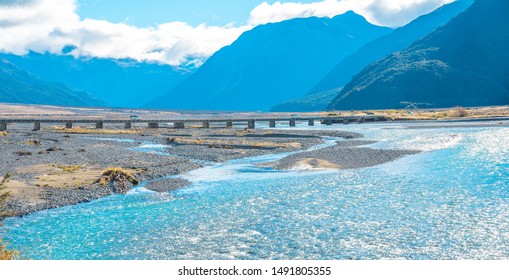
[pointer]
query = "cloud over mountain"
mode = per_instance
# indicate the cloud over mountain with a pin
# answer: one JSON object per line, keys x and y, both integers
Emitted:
{"x": 50, "y": 25}
{"x": 383, "y": 12}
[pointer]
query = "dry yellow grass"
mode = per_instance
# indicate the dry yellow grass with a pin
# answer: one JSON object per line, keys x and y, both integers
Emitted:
{"x": 62, "y": 176}
{"x": 82, "y": 130}
{"x": 433, "y": 114}
{"x": 457, "y": 112}
{"x": 5, "y": 254}
{"x": 221, "y": 142}
{"x": 119, "y": 175}
{"x": 68, "y": 168}
{"x": 111, "y": 173}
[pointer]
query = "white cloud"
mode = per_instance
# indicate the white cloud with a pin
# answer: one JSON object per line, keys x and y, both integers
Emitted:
{"x": 49, "y": 25}
{"x": 383, "y": 12}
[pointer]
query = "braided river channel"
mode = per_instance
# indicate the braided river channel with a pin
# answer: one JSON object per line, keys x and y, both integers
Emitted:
{"x": 451, "y": 201}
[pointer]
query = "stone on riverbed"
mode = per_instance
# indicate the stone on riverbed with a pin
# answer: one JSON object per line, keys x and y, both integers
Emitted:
{"x": 167, "y": 185}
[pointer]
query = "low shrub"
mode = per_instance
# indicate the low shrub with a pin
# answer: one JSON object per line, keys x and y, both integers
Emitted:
{"x": 457, "y": 112}
{"x": 119, "y": 177}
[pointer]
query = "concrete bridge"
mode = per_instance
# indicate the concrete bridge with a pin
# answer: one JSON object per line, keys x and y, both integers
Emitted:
{"x": 181, "y": 123}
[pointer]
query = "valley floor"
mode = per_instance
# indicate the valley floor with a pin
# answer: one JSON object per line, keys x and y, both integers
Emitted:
{"x": 56, "y": 167}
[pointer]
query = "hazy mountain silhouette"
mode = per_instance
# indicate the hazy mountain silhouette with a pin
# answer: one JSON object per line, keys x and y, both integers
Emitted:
{"x": 18, "y": 86}
{"x": 464, "y": 63}
{"x": 401, "y": 38}
{"x": 120, "y": 83}
{"x": 272, "y": 63}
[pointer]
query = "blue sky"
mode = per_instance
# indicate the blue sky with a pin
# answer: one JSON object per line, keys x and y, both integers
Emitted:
{"x": 152, "y": 12}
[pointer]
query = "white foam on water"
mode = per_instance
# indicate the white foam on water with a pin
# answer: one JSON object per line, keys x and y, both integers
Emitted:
{"x": 146, "y": 145}
{"x": 431, "y": 142}
{"x": 490, "y": 145}
{"x": 122, "y": 140}
{"x": 139, "y": 190}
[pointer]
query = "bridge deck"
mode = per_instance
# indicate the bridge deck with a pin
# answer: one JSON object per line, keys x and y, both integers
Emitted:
{"x": 377, "y": 118}
{"x": 179, "y": 123}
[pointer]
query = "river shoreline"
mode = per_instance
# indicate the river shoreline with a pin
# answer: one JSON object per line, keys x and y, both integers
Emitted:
{"x": 51, "y": 169}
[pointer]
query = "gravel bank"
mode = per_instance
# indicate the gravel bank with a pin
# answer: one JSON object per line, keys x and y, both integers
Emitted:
{"x": 344, "y": 155}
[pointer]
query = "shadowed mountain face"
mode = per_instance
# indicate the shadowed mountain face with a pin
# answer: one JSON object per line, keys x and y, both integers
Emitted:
{"x": 464, "y": 63}
{"x": 271, "y": 64}
{"x": 315, "y": 102}
{"x": 120, "y": 83}
{"x": 397, "y": 40}
{"x": 18, "y": 86}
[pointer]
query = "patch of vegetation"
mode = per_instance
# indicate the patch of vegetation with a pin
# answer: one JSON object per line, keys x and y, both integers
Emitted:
{"x": 3, "y": 198}
{"x": 69, "y": 168}
{"x": 118, "y": 175}
{"x": 5, "y": 254}
{"x": 457, "y": 112}
{"x": 33, "y": 142}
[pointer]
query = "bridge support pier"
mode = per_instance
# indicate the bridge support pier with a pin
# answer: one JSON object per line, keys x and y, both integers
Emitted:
{"x": 3, "y": 126}
{"x": 251, "y": 124}
{"x": 206, "y": 125}
{"x": 153, "y": 125}
{"x": 128, "y": 125}
{"x": 37, "y": 126}
{"x": 311, "y": 122}
{"x": 178, "y": 125}
{"x": 99, "y": 125}
{"x": 292, "y": 123}
{"x": 272, "y": 124}
{"x": 68, "y": 125}
{"x": 229, "y": 124}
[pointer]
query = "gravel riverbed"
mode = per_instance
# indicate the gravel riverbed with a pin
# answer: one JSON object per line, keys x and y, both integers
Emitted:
{"x": 51, "y": 169}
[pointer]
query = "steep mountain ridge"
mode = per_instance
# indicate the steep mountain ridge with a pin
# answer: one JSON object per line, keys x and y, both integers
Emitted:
{"x": 397, "y": 40}
{"x": 464, "y": 63}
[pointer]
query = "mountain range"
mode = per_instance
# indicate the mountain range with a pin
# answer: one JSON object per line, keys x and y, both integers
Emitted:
{"x": 19, "y": 86}
{"x": 119, "y": 83}
{"x": 463, "y": 63}
{"x": 454, "y": 56}
{"x": 271, "y": 63}
{"x": 327, "y": 89}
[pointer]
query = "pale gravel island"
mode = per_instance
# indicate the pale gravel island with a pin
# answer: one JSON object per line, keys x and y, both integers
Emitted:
{"x": 344, "y": 155}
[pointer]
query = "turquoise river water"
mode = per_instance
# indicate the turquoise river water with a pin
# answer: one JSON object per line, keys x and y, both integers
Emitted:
{"x": 449, "y": 202}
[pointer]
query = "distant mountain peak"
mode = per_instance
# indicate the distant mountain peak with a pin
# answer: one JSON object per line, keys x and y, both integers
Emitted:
{"x": 271, "y": 63}
{"x": 68, "y": 49}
